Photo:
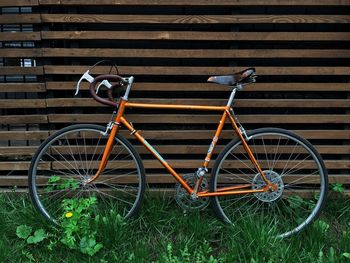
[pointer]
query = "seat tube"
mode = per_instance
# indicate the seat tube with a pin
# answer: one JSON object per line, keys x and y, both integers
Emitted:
{"x": 215, "y": 139}
{"x": 219, "y": 129}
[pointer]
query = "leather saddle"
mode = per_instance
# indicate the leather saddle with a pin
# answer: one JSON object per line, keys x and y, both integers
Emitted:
{"x": 243, "y": 77}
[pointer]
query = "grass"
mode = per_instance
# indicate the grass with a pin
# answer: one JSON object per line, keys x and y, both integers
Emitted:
{"x": 164, "y": 233}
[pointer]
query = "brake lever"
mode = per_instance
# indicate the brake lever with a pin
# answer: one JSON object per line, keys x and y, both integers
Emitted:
{"x": 106, "y": 83}
{"x": 86, "y": 76}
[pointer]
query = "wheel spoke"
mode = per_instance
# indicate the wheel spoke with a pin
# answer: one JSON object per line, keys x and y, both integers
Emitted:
{"x": 75, "y": 152}
{"x": 287, "y": 161}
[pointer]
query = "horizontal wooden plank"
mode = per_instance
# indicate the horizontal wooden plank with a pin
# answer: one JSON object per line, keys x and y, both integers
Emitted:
{"x": 23, "y": 165}
{"x": 154, "y": 164}
{"x": 176, "y": 53}
{"x": 202, "y": 149}
{"x": 22, "y": 181}
{"x": 22, "y": 87}
{"x": 20, "y": 36}
{"x": 157, "y": 70}
{"x": 197, "y": 35}
{"x": 229, "y": 134}
{"x": 20, "y": 52}
{"x": 170, "y": 149}
{"x": 22, "y": 103}
{"x": 187, "y": 19}
{"x": 12, "y": 70}
{"x": 193, "y": 164}
{"x": 24, "y": 135}
{"x": 18, "y": 151}
{"x": 20, "y": 19}
{"x": 189, "y": 118}
{"x": 155, "y": 86}
{"x": 19, "y": 3}
{"x": 166, "y": 178}
{"x": 243, "y": 103}
{"x": 196, "y": 2}
{"x": 23, "y": 119}
{"x": 13, "y": 180}
{"x": 152, "y": 192}
{"x": 180, "y": 134}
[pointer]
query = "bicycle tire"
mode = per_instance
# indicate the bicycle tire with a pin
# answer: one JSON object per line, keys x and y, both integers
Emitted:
{"x": 296, "y": 167}
{"x": 71, "y": 156}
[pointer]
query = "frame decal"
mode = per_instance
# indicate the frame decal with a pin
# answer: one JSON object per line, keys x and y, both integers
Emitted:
{"x": 154, "y": 151}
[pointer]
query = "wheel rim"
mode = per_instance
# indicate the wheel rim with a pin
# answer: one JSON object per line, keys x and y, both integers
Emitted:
{"x": 63, "y": 166}
{"x": 292, "y": 166}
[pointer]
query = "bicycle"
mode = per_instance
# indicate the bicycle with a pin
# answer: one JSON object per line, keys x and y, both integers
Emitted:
{"x": 267, "y": 174}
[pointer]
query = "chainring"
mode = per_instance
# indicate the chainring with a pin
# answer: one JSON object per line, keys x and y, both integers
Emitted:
{"x": 185, "y": 200}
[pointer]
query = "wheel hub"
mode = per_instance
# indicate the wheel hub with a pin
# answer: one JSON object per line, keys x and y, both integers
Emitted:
{"x": 269, "y": 196}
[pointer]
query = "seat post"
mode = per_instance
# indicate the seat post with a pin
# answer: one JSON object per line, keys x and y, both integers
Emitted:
{"x": 232, "y": 96}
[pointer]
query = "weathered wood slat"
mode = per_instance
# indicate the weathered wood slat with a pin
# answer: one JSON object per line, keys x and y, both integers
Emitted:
{"x": 19, "y": 3}
{"x": 151, "y": 178}
{"x": 187, "y": 19}
{"x": 20, "y": 52}
{"x": 20, "y": 36}
{"x": 17, "y": 166}
{"x": 23, "y": 119}
{"x": 22, "y": 181}
{"x": 177, "y": 53}
{"x": 22, "y": 103}
{"x": 180, "y": 134}
{"x": 158, "y": 192}
{"x": 139, "y": 86}
{"x": 20, "y": 19}
{"x": 24, "y": 135}
{"x": 8, "y": 70}
{"x": 154, "y": 164}
{"x": 228, "y": 134}
{"x": 169, "y": 149}
{"x": 193, "y": 164}
{"x": 185, "y": 70}
{"x": 196, "y": 2}
{"x": 240, "y": 103}
{"x": 165, "y": 178}
{"x": 18, "y": 151}
{"x": 22, "y": 87}
{"x": 187, "y": 118}
{"x": 193, "y": 35}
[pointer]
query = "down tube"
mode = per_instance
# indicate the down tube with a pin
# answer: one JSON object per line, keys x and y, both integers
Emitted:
{"x": 156, "y": 154}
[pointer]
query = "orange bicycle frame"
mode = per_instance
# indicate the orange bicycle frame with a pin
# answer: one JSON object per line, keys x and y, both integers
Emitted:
{"x": 238, "y": 189}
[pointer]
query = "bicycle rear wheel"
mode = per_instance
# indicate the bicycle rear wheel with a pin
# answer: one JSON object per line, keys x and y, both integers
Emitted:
{"x": 67, "y": 159}
{"x": 288, "y": 161}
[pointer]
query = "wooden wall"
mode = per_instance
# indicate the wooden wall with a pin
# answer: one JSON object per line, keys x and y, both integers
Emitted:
{"x": 301, "y": 51}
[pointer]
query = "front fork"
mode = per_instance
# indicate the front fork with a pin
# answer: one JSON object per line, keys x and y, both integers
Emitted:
{"x": 113, "y": 127}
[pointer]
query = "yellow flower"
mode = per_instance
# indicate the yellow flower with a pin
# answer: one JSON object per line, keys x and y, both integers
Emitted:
{"x": 69, "y": 215}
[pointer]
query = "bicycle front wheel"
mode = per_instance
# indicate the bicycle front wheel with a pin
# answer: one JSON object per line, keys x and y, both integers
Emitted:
{"x": 64, "y": 163}
{"x": 288, "y": 161}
